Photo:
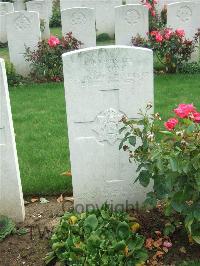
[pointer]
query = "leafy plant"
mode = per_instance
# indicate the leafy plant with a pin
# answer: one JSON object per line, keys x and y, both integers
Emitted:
{"x": 13, "y": 78}
{"x": 157, "y": 21}
{"x": 103, "y": 37}
{"x": 7, "y": 226}
{"x": 171, "y": 159}
{"x": 190, "y": 68}
{"x": 55, "y": 20}
{"x": 46, "y": 61}
{"x": 171, "y": 48}
{"x": 98, "y": 237}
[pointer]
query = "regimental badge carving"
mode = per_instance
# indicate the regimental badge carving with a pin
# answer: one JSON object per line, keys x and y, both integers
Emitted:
{"x": 184, "y": 14}
{"x": 132, "y": 17}
{"x": 107, "y": 125}
{"x": 22, "y": 23}
{"x": 78, "y": 18}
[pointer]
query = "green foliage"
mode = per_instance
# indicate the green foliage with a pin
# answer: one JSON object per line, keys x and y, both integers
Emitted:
{"x": 190, "y": 68}
{"x": 3, "y": 45}
{"x": 171, "y": 48}
{"x": 13, "y": 78}
{"x": 97, "y": 237}
{"x": 171, "y": 159}
{"x": 103, "y": 37}
{"x": 7, "y": 226}
{"x": 55, "y": 20}
{"x": 46, "y": 60}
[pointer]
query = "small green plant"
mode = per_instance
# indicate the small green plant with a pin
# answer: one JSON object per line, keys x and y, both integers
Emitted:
{"x": 103, "y": 37}
{"x": 171, "y": 48}
{"x": 190, "y": 68}
{"x": 13, "y": 78}
{"x": 46, "y": 61}
{"x": 98, "y": 237}
{"x": 7, "y": 227}
{"x": 171, "y": 159}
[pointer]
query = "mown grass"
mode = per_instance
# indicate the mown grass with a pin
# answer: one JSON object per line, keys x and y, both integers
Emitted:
{"x": 41, "y": 135}
{"x": 41, "y": 132}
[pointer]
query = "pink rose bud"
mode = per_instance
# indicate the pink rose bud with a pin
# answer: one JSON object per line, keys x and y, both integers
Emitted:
{"x": 171, "y": 123}
{"x": 167, "y": 244}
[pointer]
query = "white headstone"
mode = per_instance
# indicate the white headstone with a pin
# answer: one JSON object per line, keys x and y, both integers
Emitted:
{"x": 50, "y": 7}
{"x": 133, "y": 2}
{"x": 105, "y": 12}
{"x": 184, "y": 15}
{"x": 23, "y": 30}
{"x": 130, "y": 21}
{"x": 105, "y": 16}
{"x": 11, "y": 197}
{"x": 40, "y": 6}
{"x": 5, "y": 7}
{"x": 101, "y": 85}
{"x": 19, "y": 5}
{"x": 81, "y": 22}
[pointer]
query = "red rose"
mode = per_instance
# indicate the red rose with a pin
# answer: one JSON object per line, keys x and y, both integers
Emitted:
{"x": 159, "y": 37}
{"x": 184, "y": 110}
{"x": 171, "y": 123}
{"x": 196, "y": 116}
{"x": 180, "y": 32}
{"x": 53, "y": 41}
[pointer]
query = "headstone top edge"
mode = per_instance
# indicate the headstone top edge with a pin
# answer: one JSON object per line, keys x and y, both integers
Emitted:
{"x": 109, "y": 47}
{"x": 77, "y": 8}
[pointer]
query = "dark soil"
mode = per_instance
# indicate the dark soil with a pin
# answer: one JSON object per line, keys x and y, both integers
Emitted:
{"x": 31, "y": 248}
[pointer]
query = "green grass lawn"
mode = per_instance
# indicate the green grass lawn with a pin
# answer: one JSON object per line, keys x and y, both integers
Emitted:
{"x": 41, "y": 132}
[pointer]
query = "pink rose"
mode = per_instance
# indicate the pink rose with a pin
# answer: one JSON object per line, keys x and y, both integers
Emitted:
{"x": 154, "y": 33}
{"x": 171, "y": 123}
{"x": 168, "y": 33}
{"x": 53, "y": 41}
{"x": 148, "y": 5}
{"x": 153, "y": 13}
{"x": 167, "y": 244}
{"x": 196, "y": 116}
{"x": 159, "y": 37}
{"x": 183, "y": 110}
{"x": 180, "y": 32}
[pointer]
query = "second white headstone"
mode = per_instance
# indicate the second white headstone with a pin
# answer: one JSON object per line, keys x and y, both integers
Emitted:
{"x": 101, "y": 85}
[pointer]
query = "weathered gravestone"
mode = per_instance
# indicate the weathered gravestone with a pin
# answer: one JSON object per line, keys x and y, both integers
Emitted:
{"x": 11, "y": 198}
{"x": 185, "y": 15}
{"x": 40, "y": 6}
{"x": 130, "y": 20}
{"x": 104, "y": 12}
{"x": 101, "y": 85}
{"x": 81, "y": 22}
{"x": 5, "y": 8}
{"x": 23, "y": 30}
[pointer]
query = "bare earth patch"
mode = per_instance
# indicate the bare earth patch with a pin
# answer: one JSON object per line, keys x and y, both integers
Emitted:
{"x": 31, "y": 248}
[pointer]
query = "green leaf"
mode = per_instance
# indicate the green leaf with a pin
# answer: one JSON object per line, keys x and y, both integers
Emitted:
{"x": 123, "y": 231}
{"x": 120, "y": 246}
{"x": 196, "y": 239}
{"x": 132, "y": 140}
{"x": 173, "y": 164}
{"x": 91, "y": 222}
{"x": 197, "y": 214}
{"x": 144, "y": 178}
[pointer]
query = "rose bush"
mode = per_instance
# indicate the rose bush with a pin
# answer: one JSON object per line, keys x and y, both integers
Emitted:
{"x": 156, "y": 20}
{"x": 171, "y": 47}
{"x": 170, "y": 158}
{"x": 46, "y": 61}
